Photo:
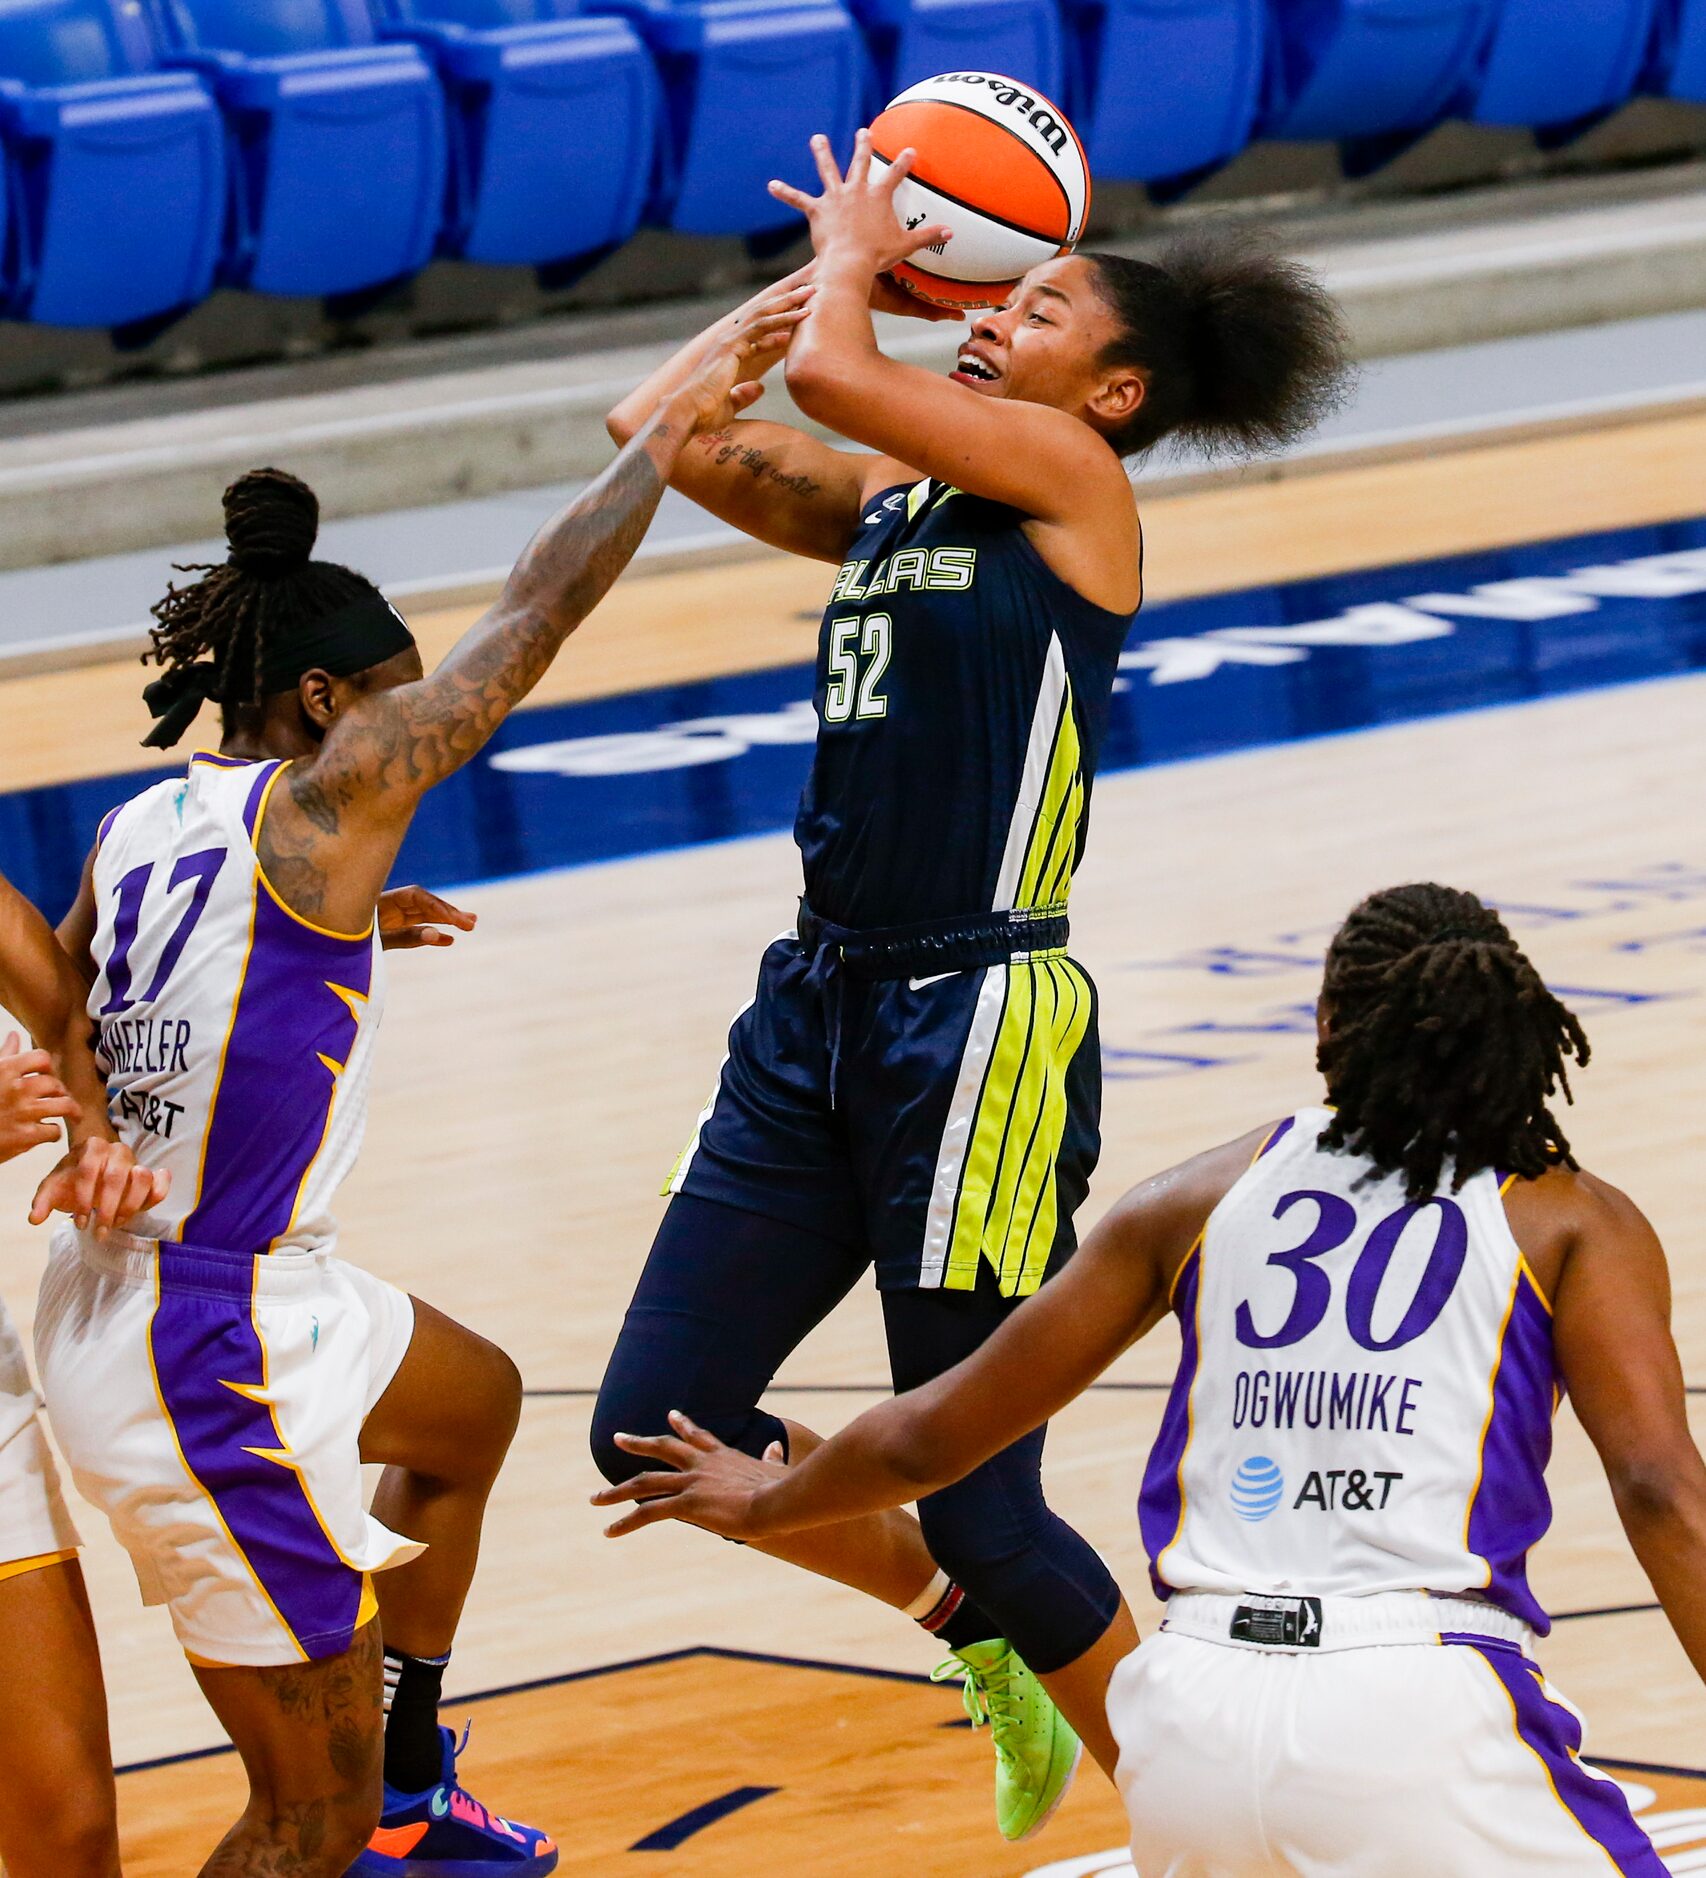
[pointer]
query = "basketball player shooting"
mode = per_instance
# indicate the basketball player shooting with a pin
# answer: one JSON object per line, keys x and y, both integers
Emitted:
{"x": 216, "y": 1377}
{"x": 1379, "y": 1302}
{"x": 916, "y": 1085}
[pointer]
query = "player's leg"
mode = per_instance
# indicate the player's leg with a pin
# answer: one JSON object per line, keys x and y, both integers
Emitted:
{"x": 762, "y": 1240}
{"x": 725, "y": 1296}
{"x": 57, "y": 1814}
{"x": 1053, "y": 1601}
{"x": 441, "y": 1427}
{"x": 309, "y": 1736}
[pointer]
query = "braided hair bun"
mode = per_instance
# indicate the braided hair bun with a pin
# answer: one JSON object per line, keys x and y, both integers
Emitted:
{"x": 272, "y": 520}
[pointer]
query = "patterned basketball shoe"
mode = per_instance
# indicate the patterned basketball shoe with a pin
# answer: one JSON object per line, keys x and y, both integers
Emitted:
{"x": 1036, "y": 1751}
{"x": 446, "y": 1833}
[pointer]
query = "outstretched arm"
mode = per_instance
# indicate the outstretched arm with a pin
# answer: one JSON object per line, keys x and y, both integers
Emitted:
{"x": 1611, "y": 1331}
{"x": 1048, "y": 1352}
{"x": 329, "y": 838}
{"x": 769, "y": 480}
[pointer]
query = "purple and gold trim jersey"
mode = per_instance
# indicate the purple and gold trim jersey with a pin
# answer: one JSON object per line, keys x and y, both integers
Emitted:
{"x": 1365, "y": 1391}
{"x": 237, "y": 1036}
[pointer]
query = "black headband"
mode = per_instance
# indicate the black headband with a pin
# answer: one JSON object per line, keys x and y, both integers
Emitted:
{"x": 365, "y": 632}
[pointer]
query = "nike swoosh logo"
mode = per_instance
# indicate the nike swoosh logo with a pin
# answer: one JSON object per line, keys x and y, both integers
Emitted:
{"x": 918, "y": 984}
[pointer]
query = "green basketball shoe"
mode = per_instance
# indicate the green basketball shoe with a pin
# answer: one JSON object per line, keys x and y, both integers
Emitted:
{"x": 1036, "y": 1751}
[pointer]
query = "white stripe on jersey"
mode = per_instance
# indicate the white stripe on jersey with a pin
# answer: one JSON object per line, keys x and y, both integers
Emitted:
{"x": 1365, "y": 1394}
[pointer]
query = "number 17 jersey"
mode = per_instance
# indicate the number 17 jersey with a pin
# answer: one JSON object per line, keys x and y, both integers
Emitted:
{"x": 1365, "y": 1392}
{"x": 236, "y": 1035}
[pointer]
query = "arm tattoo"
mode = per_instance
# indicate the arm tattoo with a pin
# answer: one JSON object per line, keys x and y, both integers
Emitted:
{"x": 399, "y": 743}
{"x": 725, "y": 448}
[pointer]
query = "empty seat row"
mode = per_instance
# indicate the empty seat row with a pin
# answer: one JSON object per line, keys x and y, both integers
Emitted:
{"x": 156, "y": 148}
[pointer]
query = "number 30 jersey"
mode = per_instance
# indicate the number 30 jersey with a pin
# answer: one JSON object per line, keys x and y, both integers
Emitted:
{"x": 237, "y": 1036}
{"x": 1365, "y": 1392}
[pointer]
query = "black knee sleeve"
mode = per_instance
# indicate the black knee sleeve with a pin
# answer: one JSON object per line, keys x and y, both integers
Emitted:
{"x": 640, "y": 1405}
{"x": 1046, "y": 1587}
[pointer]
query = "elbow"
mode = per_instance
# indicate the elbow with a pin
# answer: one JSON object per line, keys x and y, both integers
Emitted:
{"x": 912, "y": 1452}
{"x": 818, "y": 389}
{"x": 619, "y": 426}
{"x": 1654, "y": 1490}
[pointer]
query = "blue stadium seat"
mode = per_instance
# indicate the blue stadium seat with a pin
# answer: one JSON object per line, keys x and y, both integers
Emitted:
{"x": 1370, "y": 68}
{"x": 115, "y": 171}
{"x": 338, "y": 142}
{"x": 746, "y": 83}
{"x": 914, "y": 39}
{"x": 1165, "y": 88}
{"x": 1680, "y": 54}
{"x": 1556, "y": 62}
{"x": 553, "y": 124}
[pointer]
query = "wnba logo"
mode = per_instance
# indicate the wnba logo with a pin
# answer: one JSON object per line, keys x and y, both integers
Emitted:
{"x": 1257, "y": 1488}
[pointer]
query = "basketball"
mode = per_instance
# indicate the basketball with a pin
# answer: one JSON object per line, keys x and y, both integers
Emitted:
{"x": 997, "y": 163}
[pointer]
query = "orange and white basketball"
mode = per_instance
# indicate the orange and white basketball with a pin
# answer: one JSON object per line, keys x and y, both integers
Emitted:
{"x": 1000, "y": 165}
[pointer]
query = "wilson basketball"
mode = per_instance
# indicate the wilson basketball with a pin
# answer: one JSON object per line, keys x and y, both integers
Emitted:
{"x": 997, "y": 163}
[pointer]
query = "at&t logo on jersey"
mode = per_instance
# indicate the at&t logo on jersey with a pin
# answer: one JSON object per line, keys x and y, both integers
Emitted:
{"x": 1257, "y": 1488}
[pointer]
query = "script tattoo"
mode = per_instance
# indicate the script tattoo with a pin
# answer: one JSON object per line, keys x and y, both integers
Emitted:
{"x": 725, "y": 449}
{"x": 396, "y": 744}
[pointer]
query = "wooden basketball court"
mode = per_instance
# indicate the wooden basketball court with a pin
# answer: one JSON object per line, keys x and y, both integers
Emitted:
{"x": 678, "y": 1706}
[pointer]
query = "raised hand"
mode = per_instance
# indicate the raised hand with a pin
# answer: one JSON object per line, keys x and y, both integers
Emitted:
{"x": 727, "y": 382}
{"x": 711, "y": 1485}
{"x": 411, "y": 916}
{"x": 101, "y": 1185}
{"x": 33, "y": 1101}
{"x": 856, "y": 213}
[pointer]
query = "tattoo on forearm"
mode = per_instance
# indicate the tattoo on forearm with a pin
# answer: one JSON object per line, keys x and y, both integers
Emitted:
{"x": 725, "y": 449}
{"x": 409, "y": 739}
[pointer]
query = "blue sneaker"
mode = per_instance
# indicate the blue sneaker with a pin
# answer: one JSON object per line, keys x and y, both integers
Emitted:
{"x": 446, "y": 1833}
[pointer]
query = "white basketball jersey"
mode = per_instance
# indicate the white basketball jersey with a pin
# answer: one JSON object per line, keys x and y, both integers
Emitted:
{"x": 237, "y": 1037}
{"x": 1365, "y": 1394}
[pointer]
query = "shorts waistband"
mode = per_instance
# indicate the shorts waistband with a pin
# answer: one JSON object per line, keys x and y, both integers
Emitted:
{"x": 932, "y": 946}
{"x": 202, "y": 1270}
{"x": 1302, "y": 1626}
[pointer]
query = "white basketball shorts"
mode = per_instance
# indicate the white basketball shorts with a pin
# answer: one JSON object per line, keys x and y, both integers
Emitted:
{"x": 1401, "y": 1747}
{"x": 211, "y": 1405}
{"x": 34, "y": 1523}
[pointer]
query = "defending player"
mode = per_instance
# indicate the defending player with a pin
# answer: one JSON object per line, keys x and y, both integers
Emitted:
{"x": 1379, "y": 1302}
{"x": 217, "y": 1380}
{"x": 916, "y": 1084}
{"x": 57, "y": 1816}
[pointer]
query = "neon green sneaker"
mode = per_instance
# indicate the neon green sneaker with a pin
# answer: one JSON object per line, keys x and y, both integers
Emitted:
{"x": 1036, "y": 1751}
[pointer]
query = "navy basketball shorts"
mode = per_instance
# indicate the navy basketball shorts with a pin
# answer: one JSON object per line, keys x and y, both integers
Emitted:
{"x": 937, "y": 1121}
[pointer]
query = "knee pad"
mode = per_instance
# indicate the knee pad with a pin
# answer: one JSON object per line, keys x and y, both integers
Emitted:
{"x": 645, "y": 1411}
{"x": 1024, "y": 1566}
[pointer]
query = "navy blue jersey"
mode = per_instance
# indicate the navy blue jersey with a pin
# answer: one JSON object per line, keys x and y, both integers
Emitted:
{"x": 962, "y": 692}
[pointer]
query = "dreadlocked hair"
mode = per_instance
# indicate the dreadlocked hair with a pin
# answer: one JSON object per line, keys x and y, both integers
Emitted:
{"x": 1242, "y": 348}
{"x": 1442, "y": 1042}
{"x": 268, "y": 585}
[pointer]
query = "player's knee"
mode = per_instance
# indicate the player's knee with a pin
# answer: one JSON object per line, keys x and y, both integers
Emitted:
{"x": 76, "y": 1832}
{"x": 490, "y": 1397}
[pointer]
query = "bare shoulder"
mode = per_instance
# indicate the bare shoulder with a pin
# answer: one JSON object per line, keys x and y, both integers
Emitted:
{"x": 1183, "y": 1196}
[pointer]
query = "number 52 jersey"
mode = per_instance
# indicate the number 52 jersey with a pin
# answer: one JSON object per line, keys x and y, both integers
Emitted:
{"x": 236, "y": 1035}
{"x": 1365, "y": 1391}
